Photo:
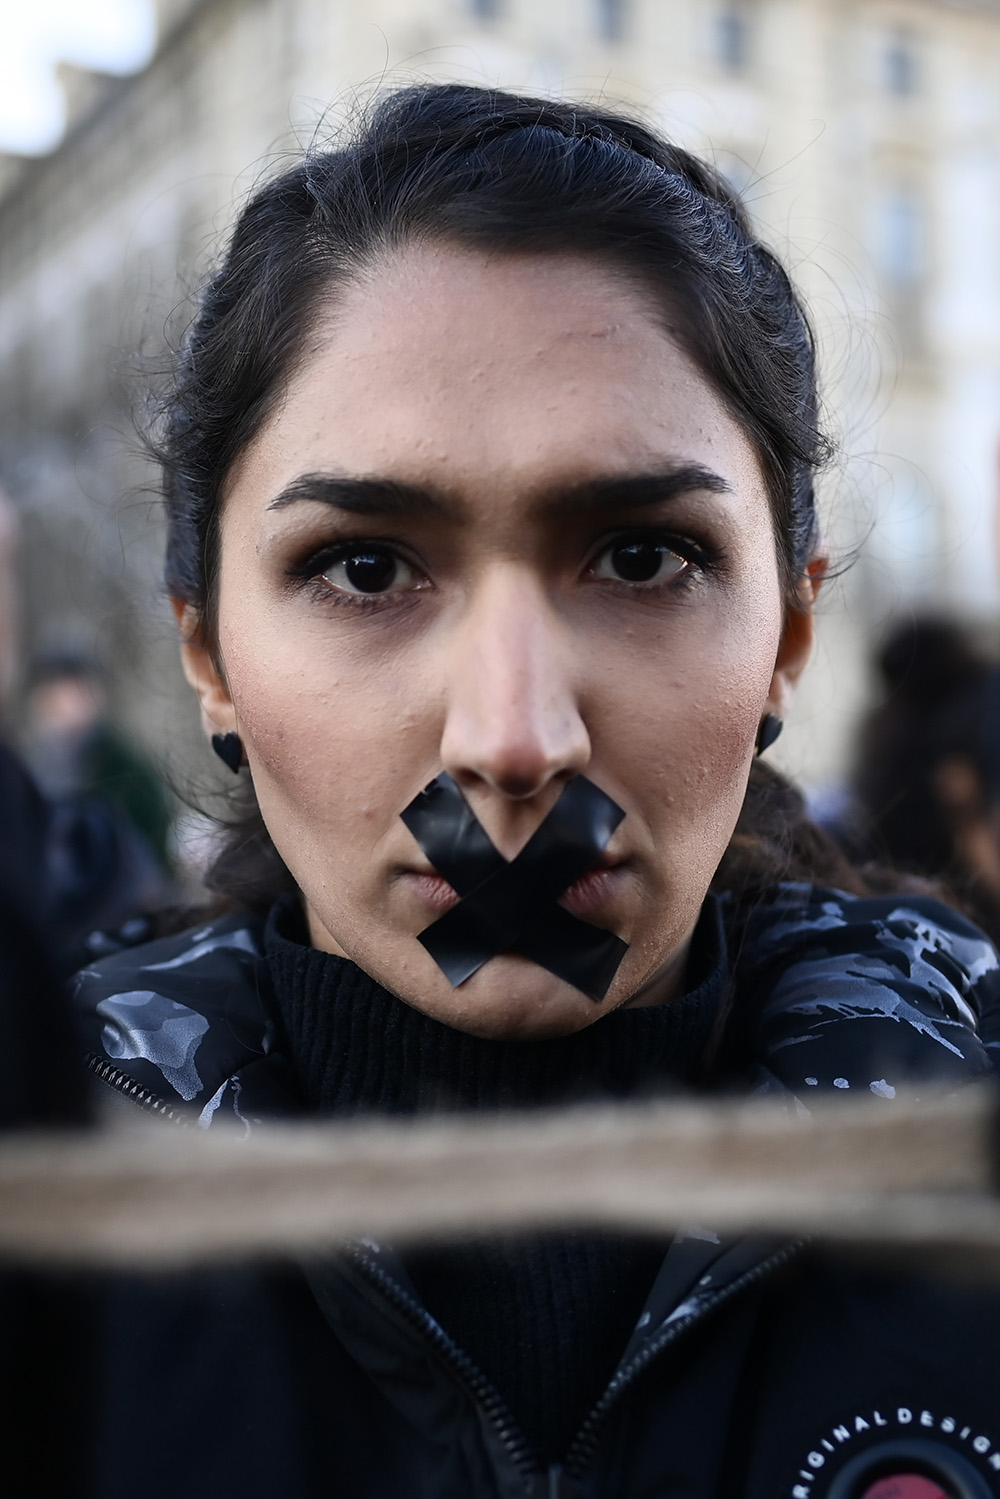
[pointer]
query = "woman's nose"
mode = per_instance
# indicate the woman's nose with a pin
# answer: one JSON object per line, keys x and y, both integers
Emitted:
{"x": 513, "y": 721}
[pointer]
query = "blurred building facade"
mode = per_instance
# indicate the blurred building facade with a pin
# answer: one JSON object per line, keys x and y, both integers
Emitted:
{"x": 865, "y": 134}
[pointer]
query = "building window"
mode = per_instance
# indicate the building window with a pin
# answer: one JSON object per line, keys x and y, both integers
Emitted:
{"x": 899, "y": 63}
{"x": 902, "y": 253}
{"x": 611, "y": 20}
{"x": 901, "y": 239}
{"x": 732, "y": 38}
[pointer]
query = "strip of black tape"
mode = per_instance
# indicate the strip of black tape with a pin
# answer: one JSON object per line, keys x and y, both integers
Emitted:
{"x": 512, "y": 906}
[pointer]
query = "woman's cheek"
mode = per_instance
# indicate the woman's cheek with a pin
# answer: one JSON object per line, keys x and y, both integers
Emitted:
{"x": 333, "y": 764}
{"x": 690, "y": 770}
{"x": 696, "y": 718}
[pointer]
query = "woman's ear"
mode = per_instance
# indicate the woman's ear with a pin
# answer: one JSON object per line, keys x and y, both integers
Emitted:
{"x": 218, "y": 716}
{"x": 797, "y": 639}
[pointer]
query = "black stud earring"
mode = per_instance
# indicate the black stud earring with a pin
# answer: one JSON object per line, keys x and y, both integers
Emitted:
{"x": 229, "y": 748}
{"x": 770, "y": 727}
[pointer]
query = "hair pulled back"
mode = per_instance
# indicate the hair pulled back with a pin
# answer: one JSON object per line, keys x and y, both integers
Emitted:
{"x": 495, "y": 172}
{"x": 504, "y": 174}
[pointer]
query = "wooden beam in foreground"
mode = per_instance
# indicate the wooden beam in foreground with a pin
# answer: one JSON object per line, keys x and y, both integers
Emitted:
{"x": 914, "y": 1175}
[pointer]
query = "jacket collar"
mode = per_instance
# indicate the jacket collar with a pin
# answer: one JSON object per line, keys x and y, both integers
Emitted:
{"x": 832, "y": 993}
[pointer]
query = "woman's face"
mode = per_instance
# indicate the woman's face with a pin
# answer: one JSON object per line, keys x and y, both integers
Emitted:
{"x": 499, "y": 526}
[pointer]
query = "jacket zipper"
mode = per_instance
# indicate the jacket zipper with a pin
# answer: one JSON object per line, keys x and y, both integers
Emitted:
{"x": 473, "y": 1380}
{"x": 122, "y": 1083}
{"x": 584, "y": 1444}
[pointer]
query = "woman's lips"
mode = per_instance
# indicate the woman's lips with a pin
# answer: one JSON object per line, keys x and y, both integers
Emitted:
{"x": 432, "y": 890}
{"x": 586, "y": 898}
{"x": 593, "y": 891}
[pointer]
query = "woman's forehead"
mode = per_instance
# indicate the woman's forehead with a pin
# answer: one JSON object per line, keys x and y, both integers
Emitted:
{"x": 445, "y": 365}
{"x": 540, "y": 309}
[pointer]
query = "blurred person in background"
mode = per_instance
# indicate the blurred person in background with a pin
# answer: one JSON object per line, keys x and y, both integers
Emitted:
{"x": 47, "y": 1335}
{"x": 926, "y": 783}
{"x": 76, "y": 750}
{"x": 74, "y": 862}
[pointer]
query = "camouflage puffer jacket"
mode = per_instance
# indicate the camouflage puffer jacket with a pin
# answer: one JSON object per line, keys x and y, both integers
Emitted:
{"x": 756, "y": 1370}
{"x": 831, "y": 992}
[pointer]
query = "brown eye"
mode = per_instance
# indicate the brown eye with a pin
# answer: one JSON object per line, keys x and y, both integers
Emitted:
{"x": 368, "y": 570}
{"x": 639, "y": 560}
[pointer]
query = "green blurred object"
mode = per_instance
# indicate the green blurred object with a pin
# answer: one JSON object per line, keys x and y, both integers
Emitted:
{"x": 114, "y": 771}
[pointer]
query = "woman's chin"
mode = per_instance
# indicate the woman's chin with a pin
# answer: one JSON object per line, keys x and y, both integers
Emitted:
{"x": 508, "y": 999}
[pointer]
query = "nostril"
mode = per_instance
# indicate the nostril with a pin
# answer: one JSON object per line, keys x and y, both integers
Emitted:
{"x": 519, "y": 786}
{"x": 524, "y": 775}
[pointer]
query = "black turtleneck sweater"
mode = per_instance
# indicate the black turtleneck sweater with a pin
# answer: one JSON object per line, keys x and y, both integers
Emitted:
{"x": 545, "y": 1317}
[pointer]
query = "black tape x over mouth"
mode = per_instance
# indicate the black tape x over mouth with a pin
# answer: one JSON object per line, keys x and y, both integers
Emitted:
{"x": 511, "y": 906}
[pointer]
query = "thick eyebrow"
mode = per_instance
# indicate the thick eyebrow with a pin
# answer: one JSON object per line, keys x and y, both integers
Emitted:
{"x": 362, "y": 496}
{"x": 372, "y": 496}
{"x": 637, "y": 491}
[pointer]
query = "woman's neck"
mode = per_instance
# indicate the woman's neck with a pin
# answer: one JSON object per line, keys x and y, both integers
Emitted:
{"x": 356, "y": 1048}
